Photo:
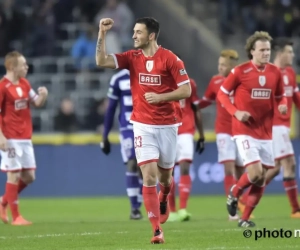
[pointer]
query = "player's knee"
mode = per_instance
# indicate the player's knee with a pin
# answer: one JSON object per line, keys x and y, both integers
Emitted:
{"x": 28, "y": 176}
{"x": 184, "y": 168}
{"x": 13, "y": 177}
{"x": 289, "y": 171}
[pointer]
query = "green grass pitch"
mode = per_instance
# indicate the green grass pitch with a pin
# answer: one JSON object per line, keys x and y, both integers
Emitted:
{"x": 103, "y": 223}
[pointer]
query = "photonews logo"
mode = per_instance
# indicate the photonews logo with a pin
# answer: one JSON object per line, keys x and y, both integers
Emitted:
{"x": 276, "y": 233}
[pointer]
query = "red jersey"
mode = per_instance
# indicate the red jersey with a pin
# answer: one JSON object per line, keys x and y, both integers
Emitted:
{"x": 15, "y": 116}
{"x": 223, "y": 123}
{"x": 161, "y": 73}
{"x": 255, "y": 92}
{"x": 292, "y": 95}
{"x": 188, "y": 116}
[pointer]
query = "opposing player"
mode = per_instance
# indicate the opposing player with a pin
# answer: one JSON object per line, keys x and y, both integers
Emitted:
{"x": 185, "y": 151}
{"x": 158, "y": 81}
{"x": 17, "y": 155}
{"x": 119, "y": 93}
{"x": 258, "y": 90}
{"x": 227, "y": 153}
{"x": 282, "y": 146}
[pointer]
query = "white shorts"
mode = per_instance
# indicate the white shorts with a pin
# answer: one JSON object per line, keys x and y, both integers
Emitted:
{"x": 185, "y": 148}
{"x": 155, "y": 145}
{"x": 20, "y": 155}
{"x": 282, "y": 145}
{"x": 227, "y": 150}
{"x": 253, "y": 150}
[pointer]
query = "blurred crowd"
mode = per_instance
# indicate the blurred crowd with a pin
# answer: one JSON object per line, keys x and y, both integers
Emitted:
{"x": 278, "y": 17}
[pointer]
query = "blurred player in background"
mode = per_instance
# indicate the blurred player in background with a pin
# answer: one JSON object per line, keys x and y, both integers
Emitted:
{"x": 17, "y": 155}
{"x": 185, "y": 151}
{"x": 282, "y": 145}
{"x": 227, "y": 152}
{"x": 119, "y": 93}
{"x": 258, "y": 90}
{"x": 158, "y": 81}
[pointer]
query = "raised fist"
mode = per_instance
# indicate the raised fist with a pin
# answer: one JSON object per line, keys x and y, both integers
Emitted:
{"x": 105, "y": 24}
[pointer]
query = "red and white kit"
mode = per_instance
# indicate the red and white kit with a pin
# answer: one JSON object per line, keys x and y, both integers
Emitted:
{"x": 282, "y": 144}
{"x": 185, "y": 143}
{"x": 227, "y": 150}
{"x": 259, "y": 92}
{"x": 16, "y": 125}
{"x": 155, "y": 126}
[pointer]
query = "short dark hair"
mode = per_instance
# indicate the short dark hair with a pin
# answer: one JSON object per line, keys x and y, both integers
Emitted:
{"x": 280, "y": 43}
{"x": 152, "y": 25}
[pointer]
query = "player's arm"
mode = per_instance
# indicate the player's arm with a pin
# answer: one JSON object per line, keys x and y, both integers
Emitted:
{"x": 280, "y": 95}
{"x": 38, "y": 100}
{"x": 296, "y": 98}
{"x": 102, "y": 59}
{"x": 208, "y": 98}
{"x": 230, "y": 84}
{"x": 3, "y": 141}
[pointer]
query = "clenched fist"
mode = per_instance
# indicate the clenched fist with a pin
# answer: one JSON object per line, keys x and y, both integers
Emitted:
{"x": 105, "y": 24}
{"x": 153, "y": 98}
{"x": 242, "y": 116}
{"x": 43, "y": 91}
{"x": 282, "y": 109}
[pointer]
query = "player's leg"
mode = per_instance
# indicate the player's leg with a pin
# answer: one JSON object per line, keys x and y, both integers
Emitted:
{"x": 12, "y": 165}
{"x": 147, "y": 154}
{"x": 132, "y": 173}
{"x": 265, "y": 150}
{"x": 167, "y": 138}
{"x": 173, "y": 216}
{"x": 185, "y": 158}
{"x": 226, "y": 156}
{"x": 249, "y": 153}
{"x": 290, "y": 184}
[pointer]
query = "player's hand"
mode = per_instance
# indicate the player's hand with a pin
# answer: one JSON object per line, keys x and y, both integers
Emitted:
{"x": 200, "y": 146}
{"x": 152, "y": 97}
{"x": 242, "y": 116}
{"x": 105, "y": 146}
{"x": 105, "y": 24}
{"x": 43, "y": 91}
{"x": 282, "y": 109}
{"x": 3, "y": 143}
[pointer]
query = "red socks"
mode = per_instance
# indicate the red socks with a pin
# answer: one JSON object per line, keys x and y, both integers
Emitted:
{"x": 21, "y": 186}
{"x": 172, "y": 199}
{"x": 152, "y": 206}
{"x": 254, "y": 196}
{"x": 229, "y": 181}
{"x": 185, "y": 184}
{"x": 164, "y": 191}
{"x": 242, "y": 183}
{"x": 11, "y": 196}
{"x": 291, "y": 190}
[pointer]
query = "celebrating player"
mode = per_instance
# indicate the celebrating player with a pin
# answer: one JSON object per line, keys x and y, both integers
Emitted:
{"x": 227, "y": 153}
{"x": 185, "y": 150}
{"x": 282, "y": 145}
{"x": 17, "y": 155}
{"x": 158, "y": 81}
{"x": 119, "y": 93}
{"x": 258, "y": 90}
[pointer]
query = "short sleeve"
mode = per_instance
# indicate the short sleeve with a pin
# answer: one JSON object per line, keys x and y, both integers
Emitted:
{"x": 32, "y": 94}
{"x": 177, "y": 70}
{"x": 194, "y": 96}
{"x": 122, "y": 60}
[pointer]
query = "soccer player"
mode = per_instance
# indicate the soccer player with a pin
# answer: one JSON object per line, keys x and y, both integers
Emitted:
{"x": 17, "y": 155}
{"x": 119, "y": 93}
{"x": 158, "y": 81}
{"x": 227, "y": 153}
{"x": 258, "y": 90}
{"x": 185, "y": 150}
{"x": 282, "y": 146}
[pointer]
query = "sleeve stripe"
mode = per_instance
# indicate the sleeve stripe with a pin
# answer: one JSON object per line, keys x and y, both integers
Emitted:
{"x": 224, "y": 90}
{"x": 196, "y": 102}
{"x": 112, "y": 96}
{"x": 296, "y": 89}
{"x": 279, "y": 96}
{"x": 184, "y": 82}
{"x": 34, "y": 98}
{"x": 116, "y": 60}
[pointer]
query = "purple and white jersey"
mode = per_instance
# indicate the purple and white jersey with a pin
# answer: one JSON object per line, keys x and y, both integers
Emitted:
{"x": 119, "y": 90}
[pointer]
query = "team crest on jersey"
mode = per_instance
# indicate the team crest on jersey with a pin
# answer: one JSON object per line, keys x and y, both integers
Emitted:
{"x": 19, "y": 91}
{"x": 285, "y": 79}
{"x": 262, "y": 80}
{"x": 149, "y": 65}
